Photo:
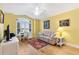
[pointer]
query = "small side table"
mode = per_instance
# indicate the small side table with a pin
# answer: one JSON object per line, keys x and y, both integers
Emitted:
{"x": 60, "y": 41}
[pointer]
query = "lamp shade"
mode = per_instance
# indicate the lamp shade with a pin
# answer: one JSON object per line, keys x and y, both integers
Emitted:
{"x": 60, "y": 32}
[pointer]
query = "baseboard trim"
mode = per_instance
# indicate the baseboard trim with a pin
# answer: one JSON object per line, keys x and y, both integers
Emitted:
{"x": 72, "y": 45}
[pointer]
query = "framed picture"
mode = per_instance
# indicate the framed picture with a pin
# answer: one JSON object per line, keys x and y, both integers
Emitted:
{"x": 46, "y": 24}
{"x": 1, "y": 16}
{"x": 64, "y": 23}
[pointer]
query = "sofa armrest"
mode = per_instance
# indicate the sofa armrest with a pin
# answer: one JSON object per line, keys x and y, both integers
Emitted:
{"x": 53, "y": 35}
{"x": 40, "y": 33}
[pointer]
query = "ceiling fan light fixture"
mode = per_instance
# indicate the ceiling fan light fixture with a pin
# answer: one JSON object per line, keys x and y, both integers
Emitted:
{"x": 36, "y": 11}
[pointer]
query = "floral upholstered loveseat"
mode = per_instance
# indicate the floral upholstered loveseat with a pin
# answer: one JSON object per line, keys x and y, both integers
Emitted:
{"x": 47, "y": 36}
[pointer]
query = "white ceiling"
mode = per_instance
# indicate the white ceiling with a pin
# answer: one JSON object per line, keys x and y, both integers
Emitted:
{"x": 45, "y": 9}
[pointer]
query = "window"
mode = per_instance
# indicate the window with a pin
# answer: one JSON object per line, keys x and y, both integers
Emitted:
{"x": 23, "y": 25}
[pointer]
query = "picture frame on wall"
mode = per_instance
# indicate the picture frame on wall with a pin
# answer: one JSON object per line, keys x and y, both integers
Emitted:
{"x": 47, "y": 24}
{"x": 64, "y": 23}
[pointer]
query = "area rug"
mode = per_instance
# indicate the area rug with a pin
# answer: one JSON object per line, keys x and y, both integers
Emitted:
{"x": 38, "y": 43}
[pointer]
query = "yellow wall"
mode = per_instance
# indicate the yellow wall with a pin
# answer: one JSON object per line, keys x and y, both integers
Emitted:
{"x": 11, "y": 20}
{"x": 71, "y": 33}
{"x": 36, "y": 27}
{"x": 1, "y": 7}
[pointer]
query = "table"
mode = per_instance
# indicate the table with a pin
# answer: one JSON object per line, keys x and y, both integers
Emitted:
{"x": 9, "y": 47}
{"x": 60, "y": 41}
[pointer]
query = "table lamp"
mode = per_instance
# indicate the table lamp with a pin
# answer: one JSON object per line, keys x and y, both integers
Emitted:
{"x": 60, "y": 32}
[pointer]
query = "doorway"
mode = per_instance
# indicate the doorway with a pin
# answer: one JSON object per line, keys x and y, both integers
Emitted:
{"x": 23, "y": 27}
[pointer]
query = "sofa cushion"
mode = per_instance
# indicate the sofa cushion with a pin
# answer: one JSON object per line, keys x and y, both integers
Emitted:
{"x": 52, "y": 35}
{"x": 48, "y": 33}
{"x": 45, "y": 37}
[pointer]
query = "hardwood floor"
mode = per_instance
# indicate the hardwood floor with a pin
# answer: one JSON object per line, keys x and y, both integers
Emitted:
{"x": 26, "y": 49}
{"x": 65, "y": 50}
